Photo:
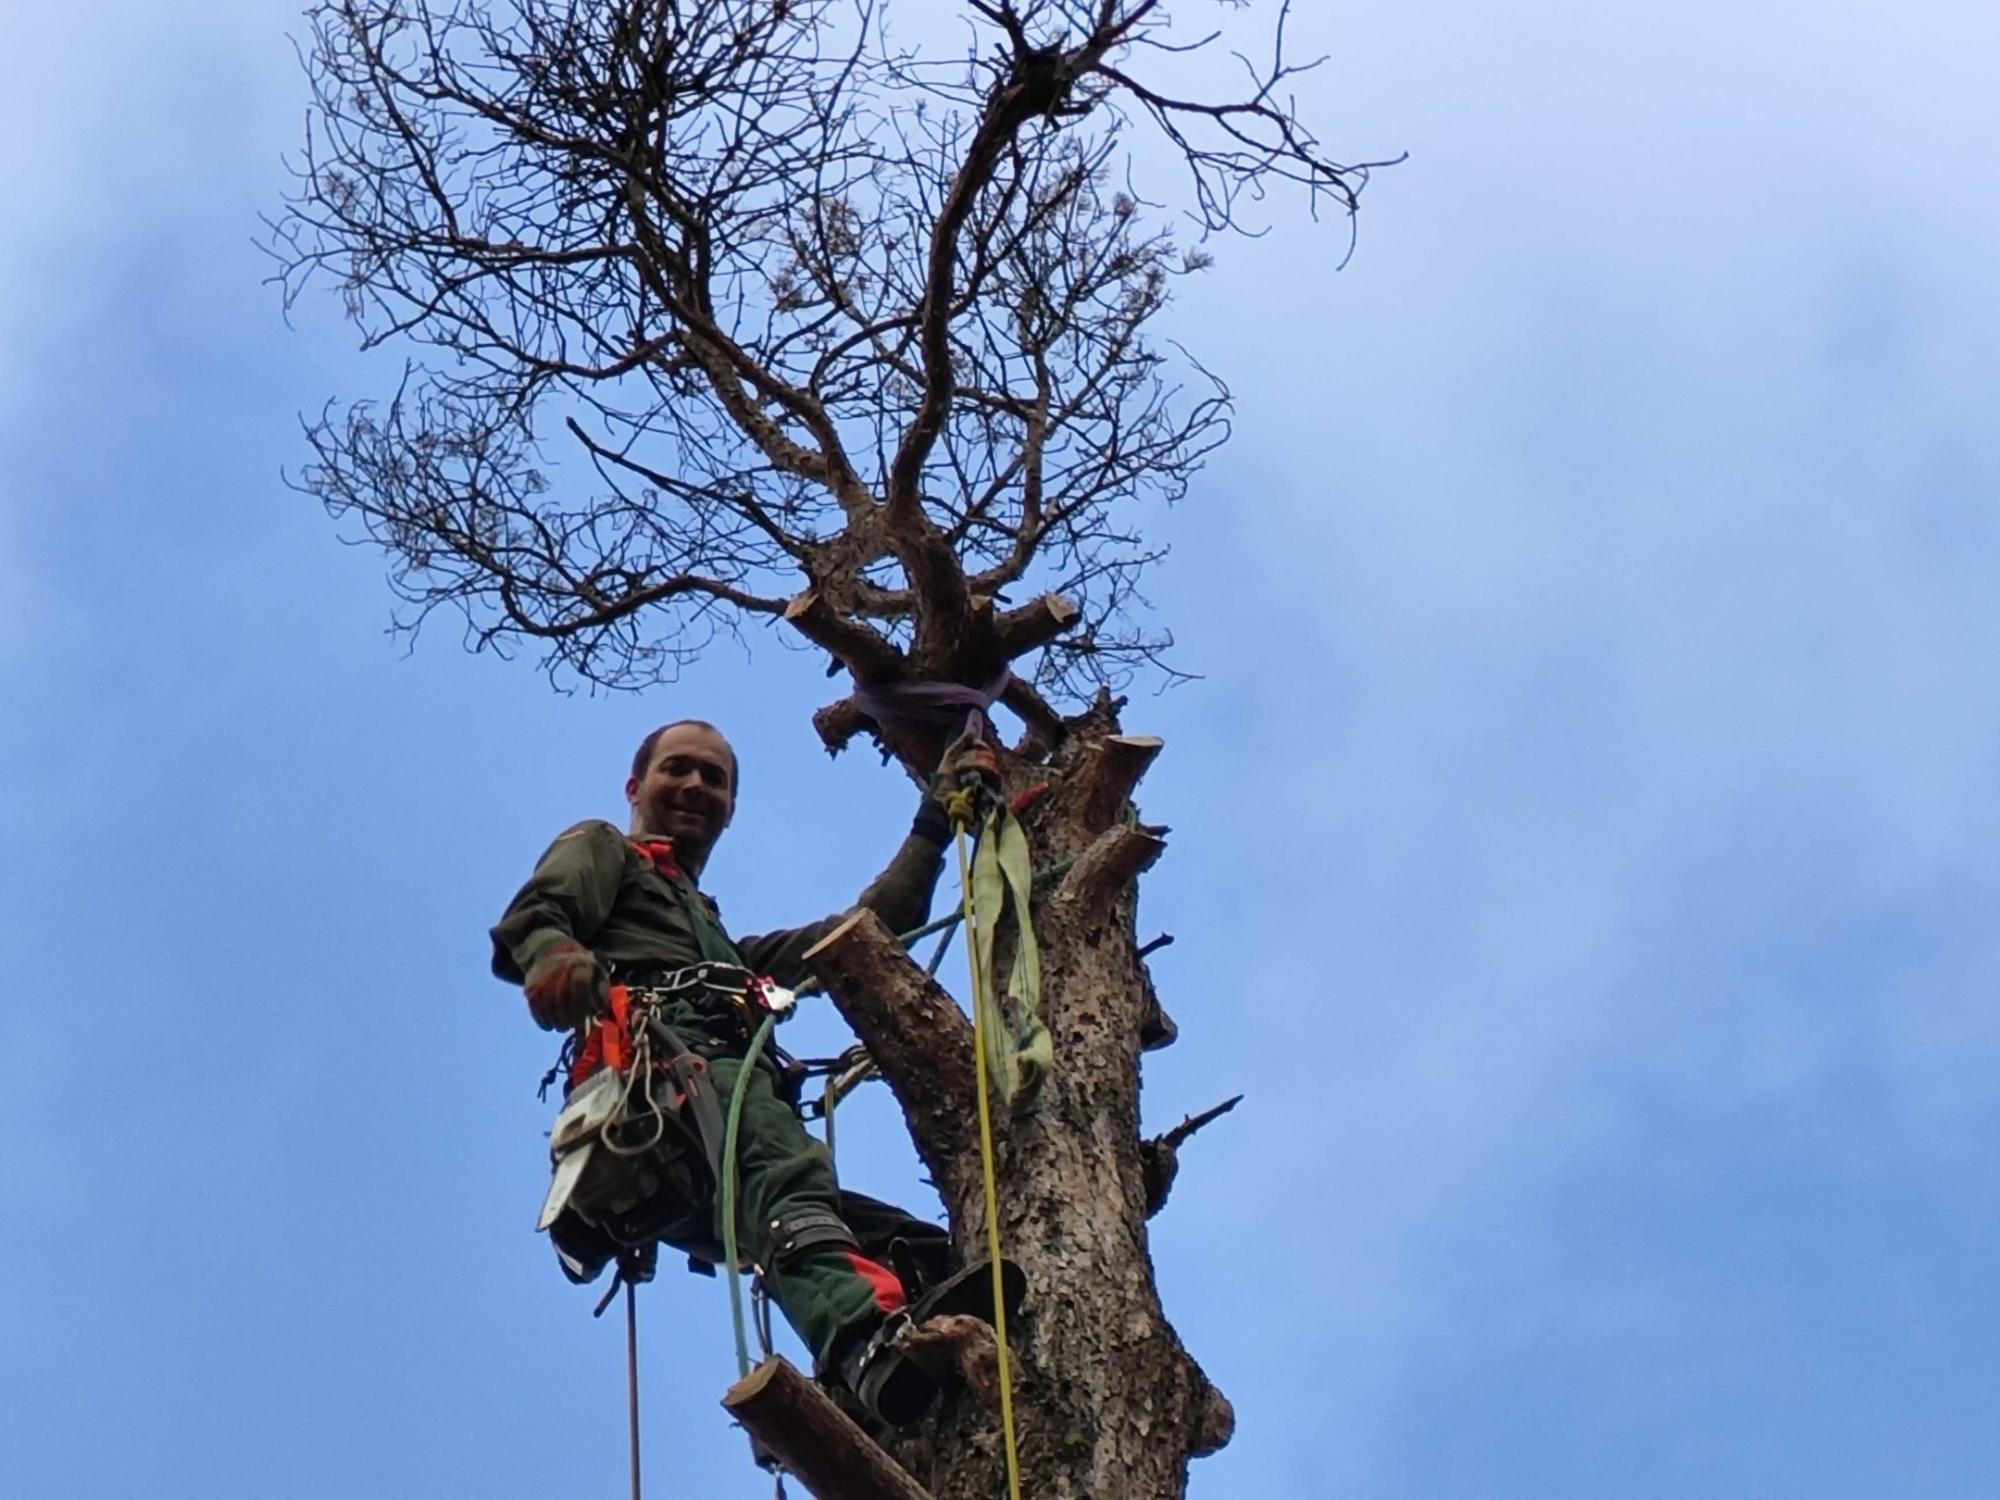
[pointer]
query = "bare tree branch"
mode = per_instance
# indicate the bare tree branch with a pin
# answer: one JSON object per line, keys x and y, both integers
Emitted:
{"x": 1159, "y": 1157}
{"x": 824, "y": 316}
{"x": 728, "y": 311}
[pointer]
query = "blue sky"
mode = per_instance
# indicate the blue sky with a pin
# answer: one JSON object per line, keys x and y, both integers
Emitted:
{"x": 1584, "y": 849}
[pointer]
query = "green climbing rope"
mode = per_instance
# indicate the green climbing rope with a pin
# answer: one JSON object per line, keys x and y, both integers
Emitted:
{"x": 728, "y": 1190}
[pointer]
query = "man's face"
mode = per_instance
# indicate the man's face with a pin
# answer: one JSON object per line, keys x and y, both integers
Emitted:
{"x": 686, "y": 793}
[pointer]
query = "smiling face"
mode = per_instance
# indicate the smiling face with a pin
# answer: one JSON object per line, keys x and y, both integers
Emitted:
{"x": 686, "y": 791}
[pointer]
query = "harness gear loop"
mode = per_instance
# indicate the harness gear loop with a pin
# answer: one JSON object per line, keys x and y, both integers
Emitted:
{"x": 981, "y": 1005}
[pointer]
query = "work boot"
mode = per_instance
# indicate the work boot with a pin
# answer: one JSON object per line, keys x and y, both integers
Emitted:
{"x": 880, "y": 1372}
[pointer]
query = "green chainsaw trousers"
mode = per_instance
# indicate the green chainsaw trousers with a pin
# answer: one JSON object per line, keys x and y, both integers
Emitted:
{"x": 830, "y": 1294}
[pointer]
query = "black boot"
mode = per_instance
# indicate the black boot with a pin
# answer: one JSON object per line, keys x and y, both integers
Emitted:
{"x": 880, "y": 1372}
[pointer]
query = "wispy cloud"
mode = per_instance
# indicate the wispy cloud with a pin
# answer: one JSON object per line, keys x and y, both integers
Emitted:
{"x": 1592, "y": 887}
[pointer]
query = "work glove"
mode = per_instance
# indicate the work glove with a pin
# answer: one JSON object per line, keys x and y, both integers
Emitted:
{"x": 967, "y": 759}
{"x": 565, "y": 987}
{"x": 967, "y": 767}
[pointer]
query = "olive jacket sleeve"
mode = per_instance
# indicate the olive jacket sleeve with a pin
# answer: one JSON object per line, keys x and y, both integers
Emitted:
{"x": 567, "y": 898}
{"x": 900, "y": 896}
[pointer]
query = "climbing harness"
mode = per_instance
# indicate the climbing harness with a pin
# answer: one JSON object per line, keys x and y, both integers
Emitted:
{"x": 636, "y": 1151}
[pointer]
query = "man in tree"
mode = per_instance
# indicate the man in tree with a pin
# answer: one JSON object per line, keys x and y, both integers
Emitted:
{"x": 604, "y": 907}
{"x": 795, "y": 314}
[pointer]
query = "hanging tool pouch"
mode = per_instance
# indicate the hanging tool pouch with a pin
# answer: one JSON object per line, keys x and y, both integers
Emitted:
{"x": 636, "y": 1149}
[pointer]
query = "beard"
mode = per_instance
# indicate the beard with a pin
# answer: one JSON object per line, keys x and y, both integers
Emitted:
{"x": 691, "y": 827}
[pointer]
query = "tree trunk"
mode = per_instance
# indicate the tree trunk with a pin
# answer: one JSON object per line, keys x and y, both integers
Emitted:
{"x": 867, "y": 353}
{"x": 1107, "y": 1401}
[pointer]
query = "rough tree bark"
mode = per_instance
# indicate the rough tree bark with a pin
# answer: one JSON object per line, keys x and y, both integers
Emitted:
{"x": 1115, "y": 1406}
{"x": 850, "y": 335}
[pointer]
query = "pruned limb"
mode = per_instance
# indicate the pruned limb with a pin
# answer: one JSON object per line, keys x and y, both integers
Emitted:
{"x": 1117, "y": 856}
{"x": 838, "y": 723}
{"x": 863, "y": 648}
{"x": 1034, "y": 624}
{"x": 1215, "y": 1426}
{"x": 1107, "y": 773}
{"x": 817, "y": 1442}
{"x": 1157, "y": 1029}
{"x": 1159, "y": 1158}
{"x": 916, "y": 1033}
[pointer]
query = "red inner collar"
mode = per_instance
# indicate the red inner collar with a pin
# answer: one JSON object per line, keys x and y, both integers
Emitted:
{"x": 661, "y": 853}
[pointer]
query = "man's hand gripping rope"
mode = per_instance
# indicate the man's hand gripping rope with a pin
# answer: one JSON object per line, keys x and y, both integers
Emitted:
{"x": 968, "y": 768}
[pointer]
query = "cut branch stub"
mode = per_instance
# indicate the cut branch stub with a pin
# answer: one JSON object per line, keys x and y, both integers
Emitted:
{"x": 1156, "y": 1027}
{"x": 916, "y": 1033}
{"x": 838, "y": 723}
{"x": 1108, "y": 773}
{"x": 1118, "y": 856}
{"x": 865, "y": 650}
{"x": 829, "y": 1454}
{"x": 1215, "y": 1426}
{"x": 1034, "y": 624}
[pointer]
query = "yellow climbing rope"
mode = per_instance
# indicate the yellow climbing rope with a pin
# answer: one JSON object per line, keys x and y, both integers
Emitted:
{"x": 960, "y": 808}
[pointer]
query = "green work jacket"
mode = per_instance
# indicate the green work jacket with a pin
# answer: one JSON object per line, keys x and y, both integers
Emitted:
{"x": 595, "y": 888}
